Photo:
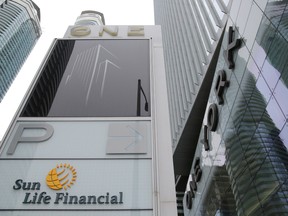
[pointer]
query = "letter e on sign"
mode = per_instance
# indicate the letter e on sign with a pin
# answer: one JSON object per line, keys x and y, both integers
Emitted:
{"x": 136, "y": 31}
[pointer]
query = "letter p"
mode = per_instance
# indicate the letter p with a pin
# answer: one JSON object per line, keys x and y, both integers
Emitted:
{"x": 19, "y": 138}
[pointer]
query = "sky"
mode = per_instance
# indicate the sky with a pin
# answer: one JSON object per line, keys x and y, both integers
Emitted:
{"x": 56, "y": 16}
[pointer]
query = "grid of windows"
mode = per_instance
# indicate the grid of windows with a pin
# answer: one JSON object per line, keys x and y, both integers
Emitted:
{"x": 17, "y": 37}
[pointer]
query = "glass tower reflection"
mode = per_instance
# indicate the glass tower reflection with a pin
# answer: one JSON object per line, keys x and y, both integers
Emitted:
{"x": 19, "y": 31}
{"x": 252, "y": 134}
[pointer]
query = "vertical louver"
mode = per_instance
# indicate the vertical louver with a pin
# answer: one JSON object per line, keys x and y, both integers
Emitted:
{"x": 191, "y": 30}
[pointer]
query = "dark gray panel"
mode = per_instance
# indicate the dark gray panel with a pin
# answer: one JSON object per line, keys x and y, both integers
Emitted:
{"x": 101, "y": 79}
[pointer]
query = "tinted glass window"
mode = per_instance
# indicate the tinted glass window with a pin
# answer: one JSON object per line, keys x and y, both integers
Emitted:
{"x": 94, "y": 78}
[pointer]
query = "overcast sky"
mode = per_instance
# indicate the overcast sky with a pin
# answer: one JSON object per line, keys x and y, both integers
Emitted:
{"x": 56, "y": 16}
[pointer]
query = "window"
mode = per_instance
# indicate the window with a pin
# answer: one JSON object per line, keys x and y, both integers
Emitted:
{"x": 93, "y": 78}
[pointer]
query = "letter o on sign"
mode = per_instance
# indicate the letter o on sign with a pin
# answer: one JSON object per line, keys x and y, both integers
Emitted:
{"x": 212, "y": 118}
{"x": 79, "y": 31}
{"x": 189, "y": 199}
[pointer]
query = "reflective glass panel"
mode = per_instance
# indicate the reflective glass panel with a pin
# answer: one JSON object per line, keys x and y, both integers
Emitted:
{"x": 93, "y": 78}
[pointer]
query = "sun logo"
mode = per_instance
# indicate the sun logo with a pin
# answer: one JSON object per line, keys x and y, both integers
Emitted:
{"x": 62, "y": 176}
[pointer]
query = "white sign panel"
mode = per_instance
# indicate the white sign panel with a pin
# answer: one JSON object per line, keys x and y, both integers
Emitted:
{"x": 77, "y": 165}
{"x": 101, "y": 139}
{"x": 76, "y": 184}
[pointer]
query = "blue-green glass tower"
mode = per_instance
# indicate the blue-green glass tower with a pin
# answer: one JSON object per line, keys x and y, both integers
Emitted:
{"x": 19, "y": 31}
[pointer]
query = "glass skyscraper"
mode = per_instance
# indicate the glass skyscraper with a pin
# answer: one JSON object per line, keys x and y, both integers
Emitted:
{"x": 19, "y": 31}
{"x": 240, "y": 161}
{"x": 192, "y": 31}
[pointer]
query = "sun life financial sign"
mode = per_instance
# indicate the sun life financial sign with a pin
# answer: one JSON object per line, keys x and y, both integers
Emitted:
{"x": 52, "y": 171}
{"x": 62, "y": 177}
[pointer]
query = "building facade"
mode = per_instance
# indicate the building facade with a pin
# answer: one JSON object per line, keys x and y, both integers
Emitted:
{"x": 192, "y": 31}
{"x": 240, "y": 163}
{"x": 19, "y": 31}
{"x": 92, "y": 135}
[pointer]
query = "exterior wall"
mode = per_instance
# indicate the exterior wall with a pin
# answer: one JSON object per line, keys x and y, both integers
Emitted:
{"x": 244, "y": 172}
{"x": 19, "y": 31}
{"x": 191, "y": 31}
{"x": 129, "y": 155}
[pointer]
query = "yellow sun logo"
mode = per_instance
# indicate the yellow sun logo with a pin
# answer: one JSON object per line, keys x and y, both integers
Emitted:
{"x": 62, "y": 176}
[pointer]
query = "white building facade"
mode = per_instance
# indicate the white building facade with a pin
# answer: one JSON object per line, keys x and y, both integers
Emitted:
{"x": 92, "y": 135}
